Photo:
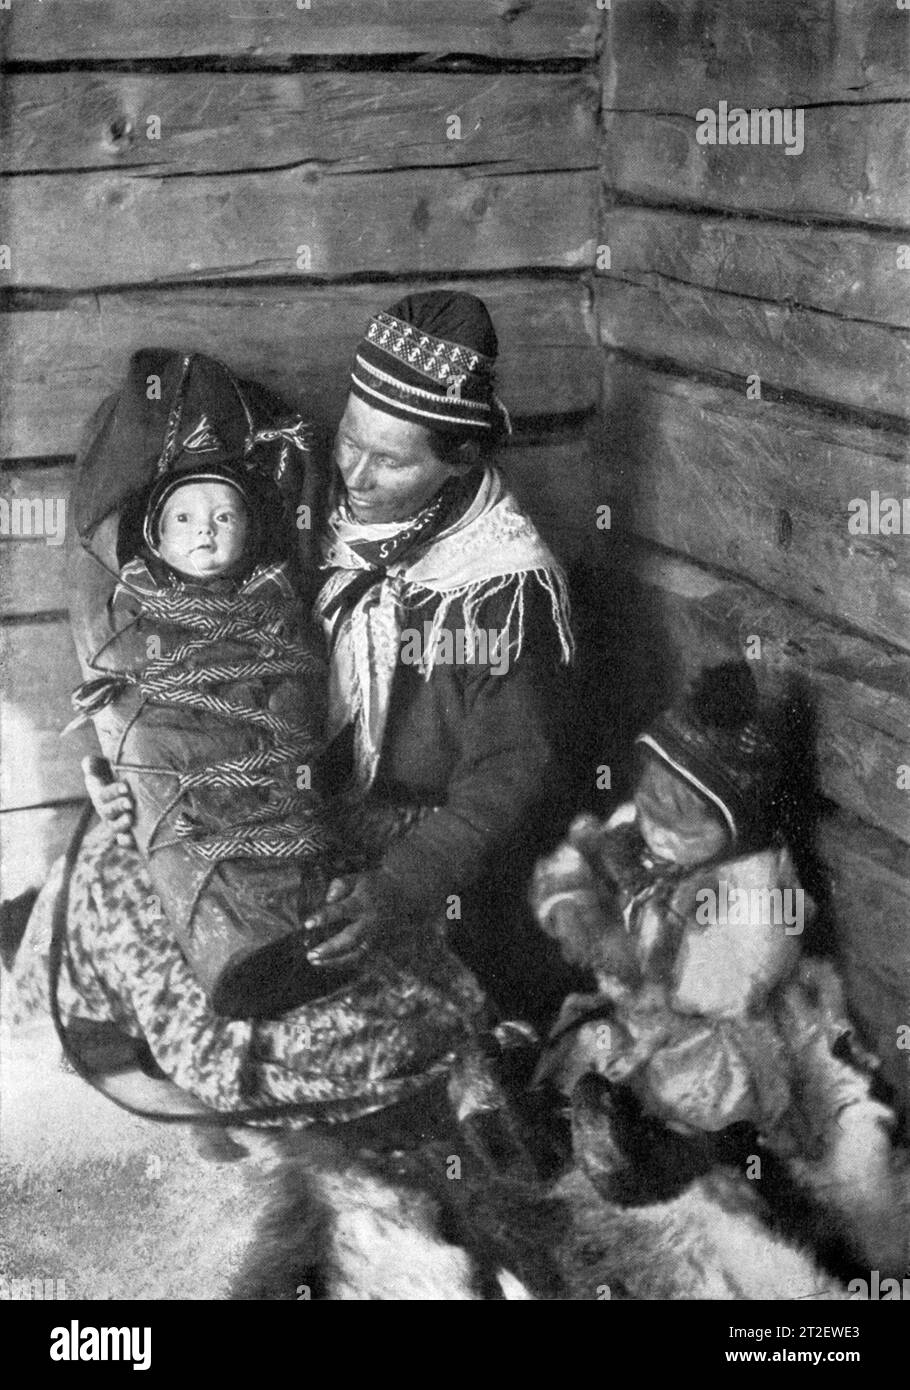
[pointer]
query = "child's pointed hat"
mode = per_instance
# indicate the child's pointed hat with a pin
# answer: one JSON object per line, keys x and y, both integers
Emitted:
{"x": 717, "y": 738}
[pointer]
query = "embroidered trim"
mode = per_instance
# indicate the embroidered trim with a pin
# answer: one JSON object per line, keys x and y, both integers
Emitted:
{"x": 203, "y": 439}
{"x": 294, "y": 431}
{"x": 436, "y": 358}
{"x": 418, "y": 390}
{"x": 415, "y": 410}
{"x": 169, "y": 447}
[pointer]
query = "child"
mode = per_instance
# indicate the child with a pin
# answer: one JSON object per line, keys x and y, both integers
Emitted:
{"x": 687, "y": 909}
{"x": 210, "y": 705}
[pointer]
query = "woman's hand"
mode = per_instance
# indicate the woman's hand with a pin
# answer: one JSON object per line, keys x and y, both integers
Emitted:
{"x": 363, "y": 907}
{"x": 113, "y": 801}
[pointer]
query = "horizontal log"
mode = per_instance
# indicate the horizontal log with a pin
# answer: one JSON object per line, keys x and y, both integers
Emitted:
{"x": 30, "y": 841}
{"x": 33, "y": 550}
{"x": 554, "y": 484}
{"x": 347, "y": 122}
{"x": 120, "y": 228}
{"x": 855, "y": 164}
{"x": 671, "y": 55}
{"x": 38, "y": 670}
{"x": 552, "y": 481}
{"x": 854, "y": 275}
{"x": 56, "y": 365}
{"x": 790, "y": 348}
{"x": 855, "y": 694}
{"x": 761, "y": 490}
{"x": 870, "y": 891}
{"x": 57, "y": 30}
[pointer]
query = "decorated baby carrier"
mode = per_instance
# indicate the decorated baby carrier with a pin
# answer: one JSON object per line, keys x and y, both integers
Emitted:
{"x": 208, "y": 700}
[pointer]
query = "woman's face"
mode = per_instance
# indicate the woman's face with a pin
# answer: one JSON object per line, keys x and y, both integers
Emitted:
{"x": 388, "y": 466}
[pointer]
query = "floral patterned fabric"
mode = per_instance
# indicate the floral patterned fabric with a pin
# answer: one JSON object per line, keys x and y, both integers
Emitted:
{"x": 365, "y": 1047}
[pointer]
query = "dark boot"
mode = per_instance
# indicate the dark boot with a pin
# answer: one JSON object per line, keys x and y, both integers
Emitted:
{"x": 632, "y": 1159}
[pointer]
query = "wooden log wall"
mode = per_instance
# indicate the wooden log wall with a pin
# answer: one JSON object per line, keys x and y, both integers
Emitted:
{"x": 735, "y": 264}
{"x": 256, "y": 185}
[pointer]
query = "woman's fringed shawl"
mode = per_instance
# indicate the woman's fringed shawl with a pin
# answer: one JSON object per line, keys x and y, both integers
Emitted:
{"x": 492, "y": 549}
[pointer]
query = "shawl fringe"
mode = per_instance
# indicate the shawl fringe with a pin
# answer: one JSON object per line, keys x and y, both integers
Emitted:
{"x": 474, "y": 595}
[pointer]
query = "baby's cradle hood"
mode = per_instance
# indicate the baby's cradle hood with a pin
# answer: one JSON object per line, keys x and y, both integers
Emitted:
{"x": 176, "y": 412}
{"x": 181, "y": 412}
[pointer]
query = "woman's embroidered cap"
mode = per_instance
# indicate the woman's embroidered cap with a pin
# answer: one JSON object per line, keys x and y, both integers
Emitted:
{"x": 716, "y": 739}
{"x": 430, "y": 359}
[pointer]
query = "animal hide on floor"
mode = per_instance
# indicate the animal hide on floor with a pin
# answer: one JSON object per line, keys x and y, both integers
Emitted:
{"x": 711, "y": 1242}
{"x": 399, "y": 1226}
{"x": 356, "y": 1229}
{"x": 297, "y": 1218}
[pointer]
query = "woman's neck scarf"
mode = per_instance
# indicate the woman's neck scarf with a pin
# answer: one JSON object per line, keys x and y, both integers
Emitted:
{"x": 380, "y": 573}
{"x": 381, "y": 545}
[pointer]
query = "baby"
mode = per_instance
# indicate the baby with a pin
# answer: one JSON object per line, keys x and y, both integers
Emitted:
{"x": 687, "y": 909}
{"x": 201, "y": 528}
{"x": 211, "y": 711}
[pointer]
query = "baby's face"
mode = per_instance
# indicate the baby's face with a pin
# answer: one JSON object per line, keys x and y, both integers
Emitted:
{"x": 203, "y": 530}
{"x": 675, "y": 822}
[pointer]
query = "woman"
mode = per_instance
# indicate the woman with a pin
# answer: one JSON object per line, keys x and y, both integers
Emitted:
{"x": 447, "y": 763}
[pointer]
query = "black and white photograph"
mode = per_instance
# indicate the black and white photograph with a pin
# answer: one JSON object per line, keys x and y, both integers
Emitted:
{"x": 455, "y": 662}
